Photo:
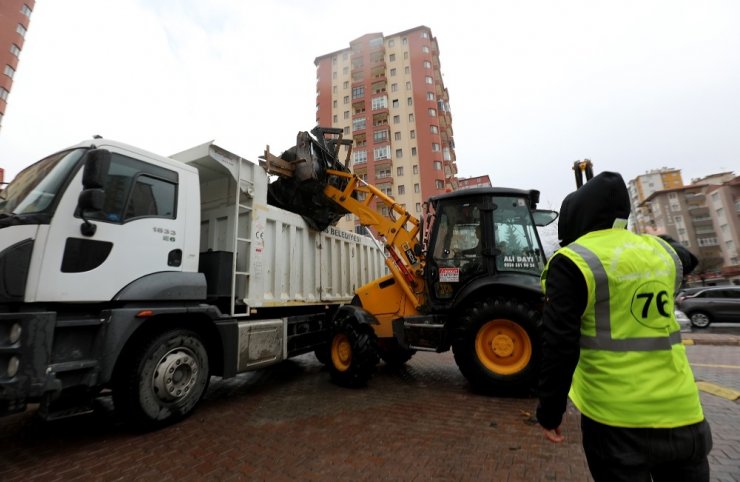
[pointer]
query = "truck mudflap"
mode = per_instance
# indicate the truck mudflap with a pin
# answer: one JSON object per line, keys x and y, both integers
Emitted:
{"x": 25, "y": 346}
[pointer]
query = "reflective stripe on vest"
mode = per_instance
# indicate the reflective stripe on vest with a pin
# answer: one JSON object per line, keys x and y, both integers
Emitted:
{"x": 602, "y": 312}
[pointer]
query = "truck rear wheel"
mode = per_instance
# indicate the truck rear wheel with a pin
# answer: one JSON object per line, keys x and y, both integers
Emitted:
{"x": 353, "y": 352}
{"x": 497, "y": 346}
{"x": 163, "y": 381}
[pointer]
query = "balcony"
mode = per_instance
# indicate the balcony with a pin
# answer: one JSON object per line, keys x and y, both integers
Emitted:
{"x": 380, "y": 118}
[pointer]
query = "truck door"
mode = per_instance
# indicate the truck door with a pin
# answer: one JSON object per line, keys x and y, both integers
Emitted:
{"x": 138, "y": 232}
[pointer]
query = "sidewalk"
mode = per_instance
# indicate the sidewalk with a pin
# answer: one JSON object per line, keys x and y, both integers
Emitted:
{"x": 698, "y": 338}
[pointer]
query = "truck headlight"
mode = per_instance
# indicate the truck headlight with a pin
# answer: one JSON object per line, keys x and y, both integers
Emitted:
{"x": 13, "y": 365}
{"x": 15, "y": 333}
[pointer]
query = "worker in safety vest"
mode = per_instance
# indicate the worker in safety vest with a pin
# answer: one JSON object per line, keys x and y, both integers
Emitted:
{"x": 612, "y": 343}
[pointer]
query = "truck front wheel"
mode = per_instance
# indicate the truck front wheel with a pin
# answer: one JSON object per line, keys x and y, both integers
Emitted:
{"x": 163, "y": 381}
{"x": 497, "y": 346}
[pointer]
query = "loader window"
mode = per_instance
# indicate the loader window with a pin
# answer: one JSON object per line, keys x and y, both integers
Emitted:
{"x": 135, "y": 189}
{"x": 517, "y": 242}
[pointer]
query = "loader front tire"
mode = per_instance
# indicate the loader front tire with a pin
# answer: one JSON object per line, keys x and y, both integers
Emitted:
{"x": 497, "y": 346}
{"x": 353, "y": 352}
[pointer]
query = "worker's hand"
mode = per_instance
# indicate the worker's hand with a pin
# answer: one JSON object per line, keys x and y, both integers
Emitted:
{"x": 554, "y": 435}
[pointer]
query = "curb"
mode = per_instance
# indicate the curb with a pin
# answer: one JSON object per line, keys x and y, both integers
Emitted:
{"x": 721, "y": 340}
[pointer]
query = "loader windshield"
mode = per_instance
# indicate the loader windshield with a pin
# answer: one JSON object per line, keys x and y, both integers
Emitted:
{"x": 516, "y": 237}
{"x": 35, "y": 189}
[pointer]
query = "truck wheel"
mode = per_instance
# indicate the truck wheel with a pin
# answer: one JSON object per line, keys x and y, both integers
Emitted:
{"x": 393, "y": 354}
{"x": 497, "y": 346}
{"x": 163, "y": 381}
{"x": 353, "y": 353}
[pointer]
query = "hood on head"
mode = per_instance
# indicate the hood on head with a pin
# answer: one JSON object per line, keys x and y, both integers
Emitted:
{"x": 594, "y": 206}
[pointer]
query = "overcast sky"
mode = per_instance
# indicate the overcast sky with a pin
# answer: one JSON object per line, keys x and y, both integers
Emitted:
{"x": 534, "y": 85}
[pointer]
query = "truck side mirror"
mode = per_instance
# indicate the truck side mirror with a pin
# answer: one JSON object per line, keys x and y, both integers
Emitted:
{"x": 92, "y": 195}
{"x": 96, "y": 169}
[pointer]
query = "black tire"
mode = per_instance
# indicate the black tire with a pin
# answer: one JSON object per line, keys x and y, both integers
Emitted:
{"x": 393, "y": 354}
{"x": 700, "y": 319}
{"x": 497, "y": 346}
{"x": 323, "y": 354}
{"x": 143, "y": 393}
{"x": 353, "y": 352}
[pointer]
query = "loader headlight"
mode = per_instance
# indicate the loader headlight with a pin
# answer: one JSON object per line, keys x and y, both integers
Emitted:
{"x": 13, "y": 365}
{"x": 15, "y": 333}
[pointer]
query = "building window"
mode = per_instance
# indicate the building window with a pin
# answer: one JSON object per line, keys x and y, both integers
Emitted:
{"x": 424, "y": 35}
{"x": 380, "y": 103}
{"x": 404, "y": 41}
{"x": 415, "y": 169}
{"x": 394, "y": 87}
{"x": 359, "y": 124}
{"x": 345, "y": 70}
{"x": 334, "y": 103}
{"x": 410, "y": 101}
{"x": 432, "y": 112}
{"x": 412, "y": 134}
{"x": 334, "y": 90}
{"x": 346, "y": 114}
{"x": 391, "y": 43}
{"x": 397, "y": 136}
{"x": 383, "y": 173}
{"x": 411, "y": 117}
{"x": 425, "y": 49}
{"x": 335, "y": 119}
{"x": 408, "y": 85}
{"x": 396, "y": 119}
{"x": 346, "y": 130}
{"x": 407, "y": 70}
{"x": 392, "y": 57}
{"x": 393, "y": 72}
{"x": 434, "y": 129}
{"x": 399, "y": 153}
{"x": 416, "y": 188}
{"x": 358, "y": 92}
{"x": 427, "y": 64}
{"x": 418, "y": 207}
{"x": 21, "y": 30}
{"x": 437, "y": 165}
{"x": 401, "y": 190}
{"x": 346, "y": 99}
{"x": 399, "y": 171}
{"x": 413, "y": 151}
{"x": 395, "y": 104}
{"x": 405, "y": 56}
{"x": 359, "y": 157}
{"x": 26, "y": 10}
{"x": 345, "y": 84}
{"x": 334, "y": 75}
{"x": 382, "y": 153}
{"x": 435, "y": 147}
{"x": 428, "y": 80}
{"x": 15, "y": 50}
{"x": 376, "y": 42}
{"x": 439, "y": 184}
{"x": 3, "y": 93}
{"x": 430, "y": 96}
{"x": 380, "y": 136}
{"x": 9, "y": 71}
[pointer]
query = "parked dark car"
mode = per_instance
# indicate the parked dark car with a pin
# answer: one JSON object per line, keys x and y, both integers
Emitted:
{"x": 711, "y": 304}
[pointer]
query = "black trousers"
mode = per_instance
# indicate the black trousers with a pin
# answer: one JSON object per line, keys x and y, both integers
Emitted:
{"x": 645, "y": 454}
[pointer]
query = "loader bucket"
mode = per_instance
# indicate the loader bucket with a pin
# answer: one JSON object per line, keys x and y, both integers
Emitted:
{"x": 302, "y": 177}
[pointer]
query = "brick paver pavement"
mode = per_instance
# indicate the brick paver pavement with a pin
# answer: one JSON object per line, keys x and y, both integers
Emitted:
{"x": 290, "y": 422}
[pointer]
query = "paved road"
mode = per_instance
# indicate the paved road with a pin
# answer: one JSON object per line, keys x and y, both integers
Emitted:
{"x": 289, "y": 423}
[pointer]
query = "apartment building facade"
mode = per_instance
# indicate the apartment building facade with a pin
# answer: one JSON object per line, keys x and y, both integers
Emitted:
{"x": 705, "y": 217}
{"x": 645, "y": 185}
{"x": 473, "y": 182}
{"x": 15, "y": 16}
{"x": 386, "y": 92}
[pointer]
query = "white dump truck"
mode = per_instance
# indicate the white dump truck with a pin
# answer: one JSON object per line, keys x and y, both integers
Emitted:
{"x": 143, "y": 275}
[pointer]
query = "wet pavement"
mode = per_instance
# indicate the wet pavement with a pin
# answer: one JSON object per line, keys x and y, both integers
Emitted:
{"x": 289, "y": 422}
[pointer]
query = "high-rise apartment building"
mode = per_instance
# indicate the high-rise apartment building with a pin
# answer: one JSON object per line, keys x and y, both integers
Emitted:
{"x": 644, "y": 186}
{"x": 473, "y": 182}
{"x": 387, "y": 93}
{"x": 15, "y": 16}
{"x": 705, "y": 217}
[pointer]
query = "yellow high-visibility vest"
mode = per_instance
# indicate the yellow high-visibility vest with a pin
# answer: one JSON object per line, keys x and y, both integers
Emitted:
{"x": 633, "y": 370}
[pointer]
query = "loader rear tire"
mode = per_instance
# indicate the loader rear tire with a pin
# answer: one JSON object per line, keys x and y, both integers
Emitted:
{"x": 497, "y": 346}
{"x": 353, "y": 352}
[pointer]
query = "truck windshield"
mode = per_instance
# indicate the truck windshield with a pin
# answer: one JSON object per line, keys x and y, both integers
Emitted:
{"x": 34, "y": 190}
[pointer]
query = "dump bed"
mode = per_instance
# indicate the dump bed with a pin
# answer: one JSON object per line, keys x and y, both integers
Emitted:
{"x": 279, "y": 260}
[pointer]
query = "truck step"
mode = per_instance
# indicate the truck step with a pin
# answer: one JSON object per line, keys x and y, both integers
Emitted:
{"x": 71, "y": 366}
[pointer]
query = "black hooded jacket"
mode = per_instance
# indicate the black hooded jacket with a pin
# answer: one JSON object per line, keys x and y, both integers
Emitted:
{"x": 595, "y": 206}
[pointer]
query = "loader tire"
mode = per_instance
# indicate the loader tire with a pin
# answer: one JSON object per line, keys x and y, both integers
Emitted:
{"x": 353, "y": 353}
{"x": 497, "y": 346}
{"x": 163, "y": 381}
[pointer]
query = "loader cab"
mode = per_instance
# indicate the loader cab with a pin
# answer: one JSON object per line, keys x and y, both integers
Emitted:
{"x": 480, "y": 233}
